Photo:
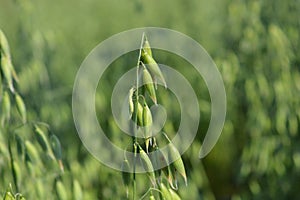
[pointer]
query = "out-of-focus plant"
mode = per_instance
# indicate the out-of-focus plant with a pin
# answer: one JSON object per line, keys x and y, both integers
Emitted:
{"x": 262, "y": 77}
{"x": 28, "y": 148}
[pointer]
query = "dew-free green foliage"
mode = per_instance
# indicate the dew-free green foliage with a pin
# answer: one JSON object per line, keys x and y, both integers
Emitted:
{"x": 255, "y": 45}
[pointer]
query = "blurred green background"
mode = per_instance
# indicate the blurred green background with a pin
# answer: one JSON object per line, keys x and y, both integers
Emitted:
{"x": 256, "y": 46}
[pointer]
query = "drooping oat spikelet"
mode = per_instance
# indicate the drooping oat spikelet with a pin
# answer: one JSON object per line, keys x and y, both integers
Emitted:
{"x": 138, "y": 111}
{"x": 4, "y": 47}
{"x": 164, "y": 192}
{"x": 61, "y": 191}
{"x": 1, "y": 87}
{"x": 146, "y": 162}
{"x": 174, "y": 195}
{"x": 130, "y": 101}
{"x": 153, "y": 68}
{"x": 77, "y": 191}
{"x": 41, "y": 138}
{"x": 56, "y": 148}
{"x": 151, "y": 197}
{"x": 32, "y": 152}
{"x": 7, "y": 72}
{"x": 178, "y": 163}
{"x": 147, "y": 122}
{"x": 148, "y": 83}
{"x": 147, "y": 47}
{"x": 6, "y": 106}
{"x": 21, "y": 107}
{"x": 20, "y": 145}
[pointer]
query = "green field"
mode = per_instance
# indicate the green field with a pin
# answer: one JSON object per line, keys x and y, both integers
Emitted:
{"x": 255, "y": 45}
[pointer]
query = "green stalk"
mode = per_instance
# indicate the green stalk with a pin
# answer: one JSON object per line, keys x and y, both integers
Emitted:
{"x": 136, "y": 107}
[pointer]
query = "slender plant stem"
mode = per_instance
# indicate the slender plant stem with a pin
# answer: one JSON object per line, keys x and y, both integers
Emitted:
{"x": 134, "y": 165}
{"x": 135, "y": 129}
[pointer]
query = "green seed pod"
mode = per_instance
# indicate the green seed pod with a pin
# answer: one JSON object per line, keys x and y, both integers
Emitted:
{"x": 153, "y": 68}
{"x": 40, "y": 189}
{"x": 77, "y": 191}
{"x": 31, "y": 152}
{"x": 21, "y": 197}
{"x": 170, "y": 171}
{"x": 147, "y": 122}
{"x": 16, "y": 172}
{"x": 146, "y": 162}
{"x": 6, "y": 107}
{"x": 41, "y": 138}
{"x": 151, "y": 197}
{"x": 61, "y": 191}
{"x": 20, "y": 146}
{"x": 148, "y": 83}
{"x": 174, "y": 195}
{"x": 21, "y": 107}
{"x": 130, "y": 101}
{"x": 165, "y": 192}
{"x": 4, "y": 47}
{"x": 147, "y": 117}
{"x": 30, "y": 166}
{"x": 1, "y": 87}
{"x": 126, "y": 176}
{"x": 13, "y": 73}
{"x": 6, "y": 70}
{"x": 147, "y": 48}
{"x": 178, "y": 163}
{"x": 139, "y": 114}
{"x": 9, "y": 196}
{"x": 56, "y": 146}
{"x": 27, "y": 157}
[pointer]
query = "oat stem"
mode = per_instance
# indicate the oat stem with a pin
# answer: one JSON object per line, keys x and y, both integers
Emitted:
{"x": 135, "y": 129}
